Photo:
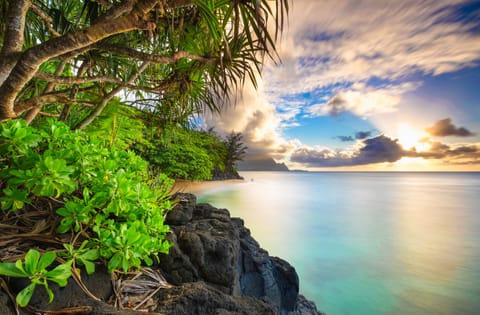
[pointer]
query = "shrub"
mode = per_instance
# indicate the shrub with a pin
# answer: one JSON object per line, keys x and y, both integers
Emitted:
{"x": 99, "y": 201}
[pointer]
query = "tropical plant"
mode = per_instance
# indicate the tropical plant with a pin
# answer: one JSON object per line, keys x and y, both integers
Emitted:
{"x": 60, "y": 57}
{"x": 67, "y": 193}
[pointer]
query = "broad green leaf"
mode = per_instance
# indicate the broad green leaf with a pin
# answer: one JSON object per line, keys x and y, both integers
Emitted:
{"x": 31, "y": 261}
{"x": 46, "y": 260}
{"x": 60, "y": 274}
{"x": 11, "y": 270}
{"x": 24, "y": 296}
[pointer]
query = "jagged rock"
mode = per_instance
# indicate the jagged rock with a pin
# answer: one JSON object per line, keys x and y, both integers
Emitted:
{"x": 219, "y": 250}
{"x": 182, "y": 212}
{"x": 199, "y": 298}
{"x": 215, "y": 267}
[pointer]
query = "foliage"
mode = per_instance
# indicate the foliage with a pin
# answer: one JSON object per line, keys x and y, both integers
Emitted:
{"x": 183, "y": 154}
{"x": 173, "y": 57}
{"x": 236, "y": 149}
{"x": 35, "y": 267}
{"x": 99, "y": 200}
{"x": 194, "y": 154}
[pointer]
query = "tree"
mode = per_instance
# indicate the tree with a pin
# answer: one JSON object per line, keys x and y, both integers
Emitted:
{"x": 60, "y": 57}
{"x": 236, "y": 150}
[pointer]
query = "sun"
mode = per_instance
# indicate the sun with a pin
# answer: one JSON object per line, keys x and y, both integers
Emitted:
{"x": 411, "y": 138}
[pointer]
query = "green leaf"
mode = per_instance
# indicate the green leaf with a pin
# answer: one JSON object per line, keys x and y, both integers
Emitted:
{"x": 11, "y": 270}
{"x": 46, "y": 260}
{"x": 91, "y": 254}
{"x": 89, "y": 266}
{"x": 31, "y": 261}
{"x": 60, "y": 274}
{"x": 114, "y": 262}
{"x": 24, "y": 296}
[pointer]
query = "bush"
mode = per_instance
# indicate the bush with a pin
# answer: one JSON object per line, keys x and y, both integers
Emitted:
{"x": 99, "y": 202}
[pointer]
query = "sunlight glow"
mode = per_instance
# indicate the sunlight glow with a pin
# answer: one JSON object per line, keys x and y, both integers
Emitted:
{"x": 410, "y": 138}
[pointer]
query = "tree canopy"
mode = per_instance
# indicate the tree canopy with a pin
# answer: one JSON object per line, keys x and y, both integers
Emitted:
{"x": 167, "y": 58}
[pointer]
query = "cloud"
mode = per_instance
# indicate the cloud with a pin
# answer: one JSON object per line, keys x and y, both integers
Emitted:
{"x": 360, "y": 135}
{"x": 346, "y": 138}
{"x": 444, "y": 128}
{"x": 374, "y": 150}
{"x": 363, "y": 101}
{"x": 258, "y": 121}
{"x": 381, "y": 149}
{"x": 348, "y": 42}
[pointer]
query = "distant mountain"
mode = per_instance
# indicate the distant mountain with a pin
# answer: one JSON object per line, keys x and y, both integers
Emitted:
{"x": 261, "y": 164}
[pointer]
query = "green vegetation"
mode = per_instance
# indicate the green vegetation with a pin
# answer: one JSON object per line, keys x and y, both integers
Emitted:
{"x": 96, "y": 203}
{"x": 130, "y": 75}
{"x": 193, "y": 154}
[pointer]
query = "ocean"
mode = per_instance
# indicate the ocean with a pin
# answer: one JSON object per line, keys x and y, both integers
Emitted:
{"x": 368, "y": 243}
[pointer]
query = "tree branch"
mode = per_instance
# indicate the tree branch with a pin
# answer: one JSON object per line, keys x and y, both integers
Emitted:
{"x": 100, "y": 107}
{"x": 75, "y": 80}
{"x": 49, "y": 88}
{"x": 48, "y": 20}
{"x": 12, "y": 41}
{"x": 125, "y": 51}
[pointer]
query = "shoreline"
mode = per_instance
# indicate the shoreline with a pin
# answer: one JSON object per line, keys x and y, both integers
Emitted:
{"x": 197, "y": 187}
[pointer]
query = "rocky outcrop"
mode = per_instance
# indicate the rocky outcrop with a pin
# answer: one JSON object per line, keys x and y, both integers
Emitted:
{"x": 217, "y": 250}
{"x": 214, "y": 266}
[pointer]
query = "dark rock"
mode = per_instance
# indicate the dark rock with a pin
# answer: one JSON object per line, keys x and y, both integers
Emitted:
{"x": 215, "y": 267}
{"x": 182, "y": 212}
{"x": 219, "y": 250}
{"x": 305, "y": 307}
{"x": 199, "y": 298}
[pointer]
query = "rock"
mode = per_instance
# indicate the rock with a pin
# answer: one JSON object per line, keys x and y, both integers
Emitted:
{"x": 199, "y": 298}
{"x": 215, "y": 267}
{"x": 220, "y": 251}
{"x": 182, "y": 211}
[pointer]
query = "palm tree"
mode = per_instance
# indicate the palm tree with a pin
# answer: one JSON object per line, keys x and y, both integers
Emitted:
{"x": 71, "y": 57}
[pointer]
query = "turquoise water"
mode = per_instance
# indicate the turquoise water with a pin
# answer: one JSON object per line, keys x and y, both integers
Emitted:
{"x": 369, "y": 243}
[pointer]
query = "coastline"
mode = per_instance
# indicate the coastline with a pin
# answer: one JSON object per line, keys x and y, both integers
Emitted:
{"x": 197, "y": 187}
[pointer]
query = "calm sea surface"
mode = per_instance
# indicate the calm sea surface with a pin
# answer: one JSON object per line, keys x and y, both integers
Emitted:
{"x": 369, "y": 243}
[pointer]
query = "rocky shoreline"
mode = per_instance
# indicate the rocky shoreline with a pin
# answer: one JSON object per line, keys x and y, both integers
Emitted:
{"x": 214, "y": 267}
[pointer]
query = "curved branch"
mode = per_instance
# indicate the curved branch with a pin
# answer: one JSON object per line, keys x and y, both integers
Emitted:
{"x": 75, "y": 80}
{"x": 125, "y": 51}
{"x": 100, "y": 107}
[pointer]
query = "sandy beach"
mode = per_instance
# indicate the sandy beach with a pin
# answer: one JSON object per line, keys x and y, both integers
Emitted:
{"x": 196, "y": 187}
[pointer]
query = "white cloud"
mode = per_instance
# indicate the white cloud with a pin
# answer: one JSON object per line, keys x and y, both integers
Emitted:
{"x": 352, "y": 41}
{"x": 362, "y": 101}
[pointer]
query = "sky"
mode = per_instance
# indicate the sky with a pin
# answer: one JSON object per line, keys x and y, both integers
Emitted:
{"x": 374, "y": 85}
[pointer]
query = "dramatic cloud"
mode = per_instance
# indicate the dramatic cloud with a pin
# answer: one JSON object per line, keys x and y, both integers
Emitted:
{"x": 444, "y": 128}
{"x": 362, "y": 135}
{"x": 382, "y": 149}
{"x": 375, "y": 150}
